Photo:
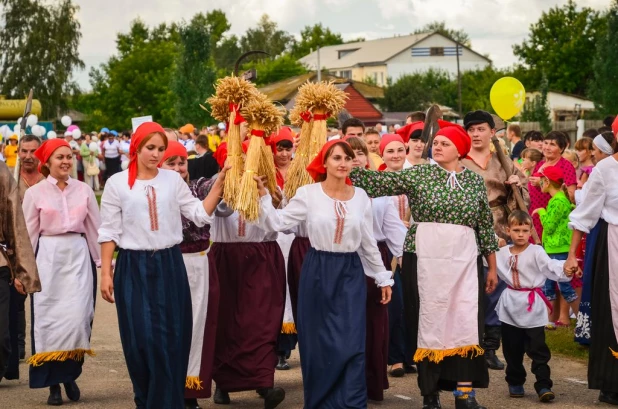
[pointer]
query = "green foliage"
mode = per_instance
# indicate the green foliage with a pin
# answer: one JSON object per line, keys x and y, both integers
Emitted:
{"x": 193, "y": 79}
{"x": 537, "y": 110}
{"x": 266, "y": 37}
{"x": 312, "y": 37}
{"x": 224, "y": 49}
{"x": 604, "y": 87}
{"x": 39, "y": 44}
{"x": 561, "y": 342}
{"x": 137, "y": 81}
{"x": 416, "y": 91}
{"x": 277, "y": 69}
{"x": 561, "y": 45}
{"x": 440, "y": 27}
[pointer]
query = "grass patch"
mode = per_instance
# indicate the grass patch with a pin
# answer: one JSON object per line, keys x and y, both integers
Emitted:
{"x": 98, "y": 199}
{"x": 562, "y": 342}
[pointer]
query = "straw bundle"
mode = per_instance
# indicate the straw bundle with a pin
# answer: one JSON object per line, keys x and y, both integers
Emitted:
{"x": 262, "y": 118}
{"x": 231, "y": 94}
{"x": 315, "y": 102}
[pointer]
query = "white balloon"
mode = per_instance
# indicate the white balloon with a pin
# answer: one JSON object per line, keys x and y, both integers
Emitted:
{"x": 17, "y": 129}
{"x": 38, "y": 130}
{"x": 77, "y": 133}
{"x": 66, "y": 120}
{"x": 32, "y": 120}
{"x": 51, "y": 135}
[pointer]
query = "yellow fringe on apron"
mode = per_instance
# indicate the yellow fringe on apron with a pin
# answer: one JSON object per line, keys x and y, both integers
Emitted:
{"x": 42, "y": 357}
{"x": 288, "y": 328}
{"x": 438, "y": 355}
{"x": 193, "y": 382}
{"x": 614, "y": 353}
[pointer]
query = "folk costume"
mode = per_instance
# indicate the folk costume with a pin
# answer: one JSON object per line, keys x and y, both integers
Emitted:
{"x": 203, "y": 286}
{"x": 331, "y": 308}
{"x": 442, "y": 270}
{"x": 153, "y": 300}
{"x": 600, "y": 206}
{"x": 62, "y": 225}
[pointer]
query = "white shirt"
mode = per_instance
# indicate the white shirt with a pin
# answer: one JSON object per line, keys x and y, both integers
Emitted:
{"x": 600, "y": 198}
{"x": 189, "y": 145}
{"x": 387, "y": 226}
{"x": 533, "y": 266}
{"x": 229, "y": 227}
{"x": 125, "y": 216}
{"x": 111, "y": 149}
{"x": 124, "y": 148}
{"x": 332, "y": 225}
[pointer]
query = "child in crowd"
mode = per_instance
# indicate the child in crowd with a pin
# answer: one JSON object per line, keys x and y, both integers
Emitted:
{"x": 571, "y": 156}
{"x": 557, "y": 236}
{"x": 522, "y": 308}
{"x": 530, "y": 157}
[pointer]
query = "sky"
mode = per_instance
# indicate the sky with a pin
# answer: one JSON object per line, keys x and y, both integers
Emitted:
{"x": 493, "y": 25}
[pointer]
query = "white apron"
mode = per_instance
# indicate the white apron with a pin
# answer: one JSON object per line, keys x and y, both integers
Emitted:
{"x": 63, "y": 311}
{"x": 285, "y": 243}
{"x": 197, "y": 273}
{"x": 448, "y": 289}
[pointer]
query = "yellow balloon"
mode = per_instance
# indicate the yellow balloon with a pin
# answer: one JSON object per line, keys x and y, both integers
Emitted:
{"x": 507, "y": 97}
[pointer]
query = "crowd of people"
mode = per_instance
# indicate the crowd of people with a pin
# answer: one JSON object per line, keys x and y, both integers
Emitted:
{"x": 391, "y": 263}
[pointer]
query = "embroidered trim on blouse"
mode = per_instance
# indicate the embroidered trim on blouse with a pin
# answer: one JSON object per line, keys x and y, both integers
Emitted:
{"x": 151, "y": 194}
{"x": 241, "y": 226}
{"x": 340, "y": 211}
{"x": 515, "y": 271}
{"x": 402, "y": 206}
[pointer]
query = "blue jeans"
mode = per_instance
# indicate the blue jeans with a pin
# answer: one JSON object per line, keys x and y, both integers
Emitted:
{"x": 567, "y": 291}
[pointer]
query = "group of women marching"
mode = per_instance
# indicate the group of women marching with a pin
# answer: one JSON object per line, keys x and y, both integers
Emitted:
{"x": 190, "y": 312}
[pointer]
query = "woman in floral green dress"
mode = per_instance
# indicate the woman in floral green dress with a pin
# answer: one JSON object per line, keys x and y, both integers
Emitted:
{"x": 442, "y": 270}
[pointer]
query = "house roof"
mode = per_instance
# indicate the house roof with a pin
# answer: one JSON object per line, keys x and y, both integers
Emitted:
{"x": 285, "y": 90}
{"x": 365, "y": 53}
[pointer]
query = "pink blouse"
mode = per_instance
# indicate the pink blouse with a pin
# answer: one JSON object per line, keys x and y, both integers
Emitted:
{"x": 50, "y": 211}
{"x": 539, "y": 199}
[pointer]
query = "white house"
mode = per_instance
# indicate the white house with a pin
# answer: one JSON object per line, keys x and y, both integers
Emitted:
{"x": 394, "y": 57}
{"x": 563, "y": 106}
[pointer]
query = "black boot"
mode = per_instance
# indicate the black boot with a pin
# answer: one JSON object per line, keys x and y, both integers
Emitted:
{"x": 282, "y": 365}
{"x": 492, "y": 360}
{"x": 21, "y": 334}
{"x": 608, "y": 397}
{"x": 55, "y": 396}
{"x": 191, "y": 404}
{"x": 220, "y": 397}
{"x": 273, "y": 398}
{"x": 467, "y": 401}
{"x": 72, "y": 391}
{"x": 262, "y": 392}
{"x": 432, "y": 401}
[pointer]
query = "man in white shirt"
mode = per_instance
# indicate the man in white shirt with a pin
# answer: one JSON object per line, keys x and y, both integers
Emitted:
{"x": 111, "y": 151}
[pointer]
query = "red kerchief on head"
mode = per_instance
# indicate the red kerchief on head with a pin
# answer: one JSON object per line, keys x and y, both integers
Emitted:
{"x": 316, "y": 167}
{"x": 220, "y": 154}
{"x": 174, "y": 149}
{"x": 141, "y": 132}
{"x": 615, "y": 126}
{"x": 458, "y": 136}
{"x": 47, "y": 149}
{"x": 406, "y": 131}
{"x": 284, "y": 134}
{"x": 388, "y": 138}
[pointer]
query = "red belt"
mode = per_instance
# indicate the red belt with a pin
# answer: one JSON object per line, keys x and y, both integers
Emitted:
{"x": 531, "y": 296}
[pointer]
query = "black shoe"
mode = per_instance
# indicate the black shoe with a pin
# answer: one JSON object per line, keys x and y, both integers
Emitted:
{"x": 410, "y": 368}
{"x": 273, "y": 398}
{"x": 468, "y": 402}
{"x": 72, "y": 391}
{"x": 191, "y": 404}
{"x": 283, "y": 364}
{"x": 220, "y": 397}
{"x": 608, "y": 397}
{"x": 397, "y": 372}
{"x": 431, "y": 402}
{"x": 262, "y": 392}
{"x": 492, "y": 360}
{"x": 55, "y": 396}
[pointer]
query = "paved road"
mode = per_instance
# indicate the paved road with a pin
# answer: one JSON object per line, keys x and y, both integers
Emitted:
{"x": 105, "y": 382}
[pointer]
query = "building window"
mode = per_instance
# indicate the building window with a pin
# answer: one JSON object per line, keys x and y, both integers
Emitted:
{"x": 436, "y": 51}
{"x": 346, "y": 74}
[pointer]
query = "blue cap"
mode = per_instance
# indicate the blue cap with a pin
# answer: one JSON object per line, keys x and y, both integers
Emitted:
{"x": 113, "y": 132}
{"x": 104, "y": 130}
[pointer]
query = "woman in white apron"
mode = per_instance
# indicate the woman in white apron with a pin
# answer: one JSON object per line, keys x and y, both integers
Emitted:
{"x": 62, "y": 217}
{"x": 442, "y": 269}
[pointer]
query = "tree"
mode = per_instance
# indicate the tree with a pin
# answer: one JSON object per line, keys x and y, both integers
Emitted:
{"x": 136, "y": 82}
{"x": 604, "y": 87}
{"x": 440, "y": 27}
{"x": 414, "y": 92}
{"x": 561, "y": 45}
{"x": 224, "y": 50}
{"x": 312, "y": 37}
{"x": 536, "y": 110}
{"x": 194, "y": 76}
{"x": 266, "y": 37}
{"x": 39, "y": 44}
{"x": 277, "y": 69}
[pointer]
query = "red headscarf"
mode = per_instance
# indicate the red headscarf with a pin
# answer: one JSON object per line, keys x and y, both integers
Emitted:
{"x": 284, "y": 134}
{"x": 174, "y": 149}
{"x": 141, "y": 132}
{"x": 406, "y": 131}
{"x": 615, "y": 126}
{"x": 316, "y": 167}
{"x": 456, "y": 134}
{"x": 388, "y": 138}
{"x": 220, "y": 154}
{"x": 47, "y": 149}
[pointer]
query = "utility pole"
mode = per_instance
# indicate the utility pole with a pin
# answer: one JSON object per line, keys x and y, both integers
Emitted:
{"x": 319, "y": 66}
{"x": 458, "y": 79}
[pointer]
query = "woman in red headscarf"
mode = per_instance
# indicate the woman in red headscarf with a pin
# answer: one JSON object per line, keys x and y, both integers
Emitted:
{"x": 62, "y": 217}
{"x": 203, "y": 282}
{"x": 331, "y": 320}
{"x": 442, "y": 272}
{"x": 141, "y": 211}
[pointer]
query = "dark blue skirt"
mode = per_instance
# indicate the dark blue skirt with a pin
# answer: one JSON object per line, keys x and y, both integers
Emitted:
{"x": 331, "y": 330}
{"x": 582, "y": 328}
{"x": 153, "y": 302}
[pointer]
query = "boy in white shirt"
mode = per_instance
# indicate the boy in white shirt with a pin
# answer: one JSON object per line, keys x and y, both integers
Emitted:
{"x": 522, "y": 308}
